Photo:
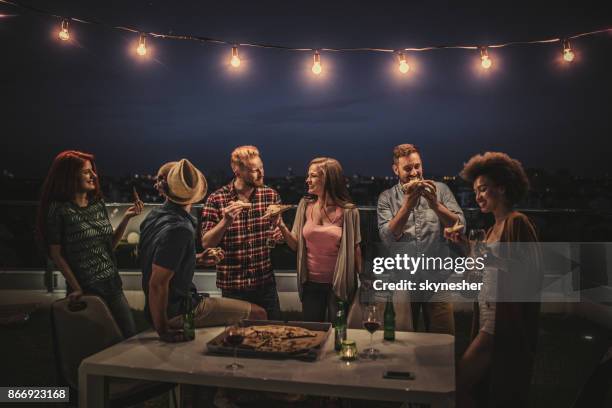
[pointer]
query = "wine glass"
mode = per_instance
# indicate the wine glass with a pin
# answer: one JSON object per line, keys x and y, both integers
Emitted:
{"x": 371, "y": 323}
{"x": 270, "y": 241}
{"x": 477, "y": 238}
{"x": 234, "y": 336}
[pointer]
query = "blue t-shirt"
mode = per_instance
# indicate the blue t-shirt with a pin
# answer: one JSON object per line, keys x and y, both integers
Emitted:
{"x": 167, "y": 239}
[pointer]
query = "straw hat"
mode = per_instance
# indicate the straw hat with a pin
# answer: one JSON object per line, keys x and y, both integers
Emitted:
{"x": 185, "y": 183}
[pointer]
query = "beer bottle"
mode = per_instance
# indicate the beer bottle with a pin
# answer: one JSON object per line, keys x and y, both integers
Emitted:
{"x": 389, "y": 324}
{"x": 339, "y": 326}
{"x": 188, "y": 319}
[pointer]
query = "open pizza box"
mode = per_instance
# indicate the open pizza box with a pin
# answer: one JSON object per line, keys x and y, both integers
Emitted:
{"x": 276, "y": 339}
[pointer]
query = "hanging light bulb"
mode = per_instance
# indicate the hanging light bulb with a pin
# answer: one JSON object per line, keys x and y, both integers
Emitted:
{"x": 63, "y": 34}
{"x": 568, "y": 54}
{"x": 484, "y": 56}
{"x": 403, "y": 65}
{"x": 316, "y": 65}
{"x": 235, "y": 61}
{"x": 142, "y": 48}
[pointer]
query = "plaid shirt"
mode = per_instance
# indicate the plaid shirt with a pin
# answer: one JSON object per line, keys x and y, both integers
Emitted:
{"x": 247, "y": 264}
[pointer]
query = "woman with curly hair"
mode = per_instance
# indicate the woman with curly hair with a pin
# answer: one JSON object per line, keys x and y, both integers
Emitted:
{"x": 496, "y": 367}
{"x": 74, "y": 230}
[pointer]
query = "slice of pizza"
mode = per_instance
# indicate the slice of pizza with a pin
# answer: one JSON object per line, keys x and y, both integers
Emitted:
{"x": 135, "y": 195}
{"x": 458, "y": 227}
{"x": 275, "y": 209}
{"x": 429, "y": 185}
{"x": 411, "y": 186}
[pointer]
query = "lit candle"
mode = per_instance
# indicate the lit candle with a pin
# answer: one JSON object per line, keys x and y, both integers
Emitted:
{"x": 348, "y": 352}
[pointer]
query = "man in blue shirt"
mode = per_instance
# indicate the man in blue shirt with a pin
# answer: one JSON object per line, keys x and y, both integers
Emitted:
{"x": 168, "y": 253}
{"x": 412, "y": 223}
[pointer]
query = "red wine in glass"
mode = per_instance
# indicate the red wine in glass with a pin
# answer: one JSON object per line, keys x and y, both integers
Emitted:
{"x": 371, "y": 326}
{"x": 234, "y": 340}
{"x": 234, "y": 336}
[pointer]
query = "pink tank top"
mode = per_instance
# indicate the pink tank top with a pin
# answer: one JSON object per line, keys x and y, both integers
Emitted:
{"x": 322, "y": 247}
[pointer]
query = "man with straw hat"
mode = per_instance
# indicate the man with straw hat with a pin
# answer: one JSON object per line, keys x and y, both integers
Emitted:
{"x": 168, "y": 252}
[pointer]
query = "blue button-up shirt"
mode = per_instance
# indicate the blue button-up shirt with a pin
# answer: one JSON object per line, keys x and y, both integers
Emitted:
{"x": 422, "y": 235}
{"x": 423, "y": 230}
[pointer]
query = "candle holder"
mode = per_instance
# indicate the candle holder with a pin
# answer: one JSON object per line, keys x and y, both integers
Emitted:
{"x": 348, "y": 351}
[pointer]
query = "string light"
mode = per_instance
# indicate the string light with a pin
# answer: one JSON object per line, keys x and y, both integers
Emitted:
{"x": 142, "y": 48}
{"x": 486, "y": 63}
{"x": 403, "y": 65}
{"x": 235, "y": 61}
{"x": 568, "y": 54}
{"x": 63, "y": 34}
{"x": 484, "y": 56}
{"x": 316, "y": 65}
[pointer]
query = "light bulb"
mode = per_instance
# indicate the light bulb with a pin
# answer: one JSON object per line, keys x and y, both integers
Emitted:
{"x": 486, "y": 62}
{"x": 568, "y": 54}
{"x": 63, "y": 34}
{"x": 403, "y": 65}
{"x": 235, "y": 61}
{"x": 142, "y": 48}
{"x": 484, "y": 56}
{"x": 316, "y": 65}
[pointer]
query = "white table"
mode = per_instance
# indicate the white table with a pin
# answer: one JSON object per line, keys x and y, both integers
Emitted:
{"x": 429, "y": 356}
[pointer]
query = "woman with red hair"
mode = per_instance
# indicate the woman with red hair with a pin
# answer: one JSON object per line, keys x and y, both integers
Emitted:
{"x": 75, "y": 231}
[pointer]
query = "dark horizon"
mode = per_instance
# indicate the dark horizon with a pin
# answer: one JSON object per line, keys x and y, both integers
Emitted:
{"x": 134, "y": 115}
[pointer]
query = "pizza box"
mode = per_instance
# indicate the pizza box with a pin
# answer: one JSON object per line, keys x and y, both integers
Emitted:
{"x": 217, "y": 345}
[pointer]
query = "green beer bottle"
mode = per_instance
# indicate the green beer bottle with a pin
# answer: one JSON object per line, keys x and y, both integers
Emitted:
{"x": 339, "y": 326}
{"x": 188, "y": 319}
{"x": 389, "y": 324}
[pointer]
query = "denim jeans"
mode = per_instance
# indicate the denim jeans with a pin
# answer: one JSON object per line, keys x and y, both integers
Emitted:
{"x": 111, "y": 291}
{"x": 266, "y": 297}
{"x": 319, "y": 303}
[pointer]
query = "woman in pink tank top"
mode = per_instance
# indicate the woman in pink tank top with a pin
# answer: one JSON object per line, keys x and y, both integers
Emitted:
{"x": 317, "y": 236}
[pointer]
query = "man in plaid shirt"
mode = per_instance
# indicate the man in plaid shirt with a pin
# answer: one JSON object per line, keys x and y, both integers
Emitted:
{"x": 246, "y": 271}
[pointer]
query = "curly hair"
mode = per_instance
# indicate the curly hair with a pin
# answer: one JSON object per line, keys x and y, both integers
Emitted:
{"x": 502, "y": 170}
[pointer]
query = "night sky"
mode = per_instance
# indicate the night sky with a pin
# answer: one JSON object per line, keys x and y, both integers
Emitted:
{"x": 95, "y": 94}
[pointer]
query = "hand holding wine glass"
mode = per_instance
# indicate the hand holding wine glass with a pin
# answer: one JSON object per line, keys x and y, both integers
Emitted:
{"x": 477, "y": 239}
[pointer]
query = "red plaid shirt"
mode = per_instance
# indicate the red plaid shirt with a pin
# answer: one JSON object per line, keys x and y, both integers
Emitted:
{"x": 247, "y": 262}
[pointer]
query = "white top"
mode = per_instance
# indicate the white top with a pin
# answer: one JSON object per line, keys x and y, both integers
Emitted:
{"x": 488, "y": 295}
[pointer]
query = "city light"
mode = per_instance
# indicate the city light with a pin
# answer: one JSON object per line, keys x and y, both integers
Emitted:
{"x": 63, "y": 34}
{"x": 484, "y": 56}
{"x": 235, "y": 61}
{"x": 568, "y": 54}
{"x": 403, "y": 65}
{"x": 142, "y": 48}
{"x": 316, "y": 65}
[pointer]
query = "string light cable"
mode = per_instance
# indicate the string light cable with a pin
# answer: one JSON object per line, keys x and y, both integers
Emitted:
{"x": 568, "y": 52}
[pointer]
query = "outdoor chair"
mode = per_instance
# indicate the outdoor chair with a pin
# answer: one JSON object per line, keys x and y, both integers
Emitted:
{"x": 84, "y": 328}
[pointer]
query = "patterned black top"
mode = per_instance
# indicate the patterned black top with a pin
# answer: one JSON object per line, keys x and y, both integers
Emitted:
{"x": 86, "y": 237}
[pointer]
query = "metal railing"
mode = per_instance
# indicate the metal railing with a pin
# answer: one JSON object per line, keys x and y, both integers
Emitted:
{"x": 18, "y": 249}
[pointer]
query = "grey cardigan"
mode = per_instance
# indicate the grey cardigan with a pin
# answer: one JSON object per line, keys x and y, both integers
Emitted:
{"x": 344, "y": 283}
